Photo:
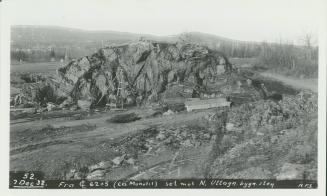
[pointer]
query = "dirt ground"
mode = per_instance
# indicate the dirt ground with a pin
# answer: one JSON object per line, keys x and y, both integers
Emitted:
{"x": 64, "y": 144}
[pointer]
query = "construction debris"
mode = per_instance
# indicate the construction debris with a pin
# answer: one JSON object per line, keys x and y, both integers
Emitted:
{"x": 131, "y": 161}
{"x": 103, "y": 165}
{"x": 96, "y": 175}
{"x": 155, "y": 139}
{"x": 119, "y": 160}
{"x": 51, "y": 106}
{"x": 169, "y": 112}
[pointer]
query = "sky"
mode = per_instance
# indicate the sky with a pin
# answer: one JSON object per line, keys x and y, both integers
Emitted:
{"x": 247, "y": 20}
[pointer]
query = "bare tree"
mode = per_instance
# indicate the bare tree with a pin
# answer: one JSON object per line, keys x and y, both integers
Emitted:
{"x": 308, "y": 41}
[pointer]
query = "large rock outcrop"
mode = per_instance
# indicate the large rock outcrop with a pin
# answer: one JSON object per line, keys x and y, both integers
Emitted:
{"x": 144, "y": 72}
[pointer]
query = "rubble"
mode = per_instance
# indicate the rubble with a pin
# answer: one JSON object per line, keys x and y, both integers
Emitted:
{"x": 155, "y": 139}
{"x": 96, "y": 175}
{"x": 103, "y": 165}
{"x": 66, "y": 103}
{"x": 119, "y": 160}
{"x": 70, "y": 174}
{"x": 131, "y": 161}
{"x": 279, "y": 137}
{"x": 51, "y": 106}
{"x": 169, "y": 112}
{"x": 78, "y": 176}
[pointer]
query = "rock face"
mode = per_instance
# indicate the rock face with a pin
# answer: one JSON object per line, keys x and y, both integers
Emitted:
{"x": 143, "y": 70}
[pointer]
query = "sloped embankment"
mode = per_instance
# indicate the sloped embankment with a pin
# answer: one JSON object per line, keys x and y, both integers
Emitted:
{"x": 268, "y": 140}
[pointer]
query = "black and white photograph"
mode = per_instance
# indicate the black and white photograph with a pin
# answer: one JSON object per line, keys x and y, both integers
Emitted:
{"x": 155, "y": 94}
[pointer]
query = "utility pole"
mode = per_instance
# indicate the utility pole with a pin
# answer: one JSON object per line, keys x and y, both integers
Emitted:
{"x": 120, "y": 87}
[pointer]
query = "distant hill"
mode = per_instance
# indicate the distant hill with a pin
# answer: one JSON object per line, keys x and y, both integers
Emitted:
{"x": 54, "y": 34}
{"x": 43, "y": 40}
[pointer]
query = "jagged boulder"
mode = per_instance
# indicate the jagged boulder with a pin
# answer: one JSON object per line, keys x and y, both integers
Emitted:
{"x": 142, "y": 69}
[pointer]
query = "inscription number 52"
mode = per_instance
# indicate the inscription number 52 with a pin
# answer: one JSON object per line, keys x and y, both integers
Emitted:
{"x": 29, "y": 176}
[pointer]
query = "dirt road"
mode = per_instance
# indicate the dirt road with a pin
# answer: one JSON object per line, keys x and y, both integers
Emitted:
{"x": 307, "y": 84}
{"x": 63, "y": 143}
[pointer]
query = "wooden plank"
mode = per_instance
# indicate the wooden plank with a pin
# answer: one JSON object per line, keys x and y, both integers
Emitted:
{"x": 206, "y": 104}
{"x": 205, "y": 101}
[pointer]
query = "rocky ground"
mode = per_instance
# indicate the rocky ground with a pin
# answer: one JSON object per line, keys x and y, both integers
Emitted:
{"x": 261, "y": 139}
{"x": 266, "y": 140}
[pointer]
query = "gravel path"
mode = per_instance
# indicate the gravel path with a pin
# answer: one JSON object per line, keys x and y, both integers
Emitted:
{"x": 308, "y": 84}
